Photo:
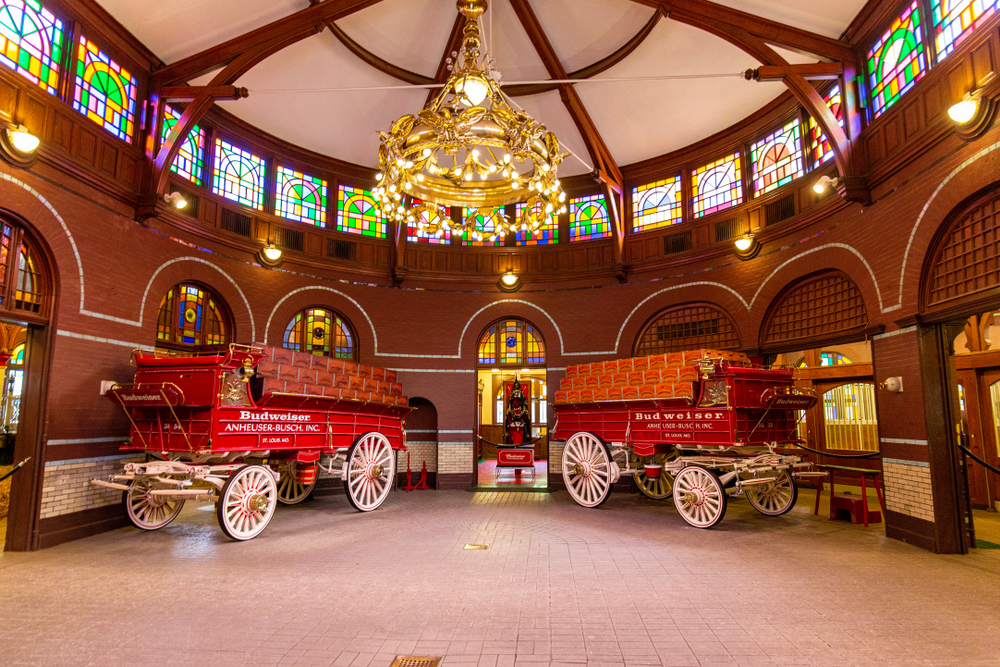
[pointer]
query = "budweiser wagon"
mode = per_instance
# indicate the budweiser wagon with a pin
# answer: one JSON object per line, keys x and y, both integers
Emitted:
{"x": 251, "y": 427}
{"x": 699, "y": 426}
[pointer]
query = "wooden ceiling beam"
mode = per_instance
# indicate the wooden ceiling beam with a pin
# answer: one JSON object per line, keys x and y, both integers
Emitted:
{"x": 186, "y": 93}
{"x": 809, "y": 71}
{"x": 771, "y": 32}
{"x": 375, "y": 61}
{"x": 604, "y": 162}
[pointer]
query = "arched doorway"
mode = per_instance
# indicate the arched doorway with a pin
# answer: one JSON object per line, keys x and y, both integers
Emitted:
{"x": 27, "y": 301}
{"x": 510, "y": 349}
{"x": 421, "y": 426}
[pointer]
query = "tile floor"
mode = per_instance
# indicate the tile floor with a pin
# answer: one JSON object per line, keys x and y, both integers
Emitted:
{"x": 626, "y": 584}
{"x": 487, "y": 471}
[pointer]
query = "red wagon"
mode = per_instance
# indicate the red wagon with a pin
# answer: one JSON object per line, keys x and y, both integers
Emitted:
{"x": 221, "y": 433}
{"x": 699, "y": 426}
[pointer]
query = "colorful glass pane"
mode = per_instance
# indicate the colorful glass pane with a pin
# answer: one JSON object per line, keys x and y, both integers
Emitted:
{"x": 358, "y": 213}
{"x": 657, "y": 205}
{"x": 321, "y": 332}
{"x": 239, "y": 175}
{"x": 31, "y": 41}
{"x": 414, "y": 234}
{"x": 588, "y": 218}
{"x": 488, "y": 347}
{"x": 189, "y": 316}
{"x": 191, "y": 155}
{"x": 105, "y": 91}
{"x": 17, "y": 356}
{"x": 955, "y": 20}
{"x": 510, "y": 335}
{"x": 717, "y": 186}
{"x": 777, "y": 158}
{"x": 819, "y": 145}
{"x": 897, "y": 60}
{"x": 546, "y": 234}
{"x": 300, "y": 197}
{"x": 486, "y": 222}
{"x": 536, "y": 348}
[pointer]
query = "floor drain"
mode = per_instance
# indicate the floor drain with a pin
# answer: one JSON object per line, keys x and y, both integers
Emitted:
{"x": 476, "y": 547}
{"x": 415, "y": 661}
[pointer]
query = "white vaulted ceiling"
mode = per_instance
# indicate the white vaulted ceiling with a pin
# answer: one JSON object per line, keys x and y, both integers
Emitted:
{"x": 637, "y": 119}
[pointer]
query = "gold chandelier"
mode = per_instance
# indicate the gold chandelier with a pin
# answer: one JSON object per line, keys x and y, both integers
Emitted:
{"x": 469, "y": 148}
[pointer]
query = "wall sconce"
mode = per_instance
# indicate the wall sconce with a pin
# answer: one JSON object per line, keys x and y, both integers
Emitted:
{"x": 964, "y": 111}
{"x": 746, "y": 247}
{"x": 973, "y": 115}
{"x": 19, "y": 146}
{"x": 175, "y": 199}
{"x": 893, "y": 384}
{"x": 820, "y": 186}
{"x": 269, "y": 256}
{"x": 509, "y": 282}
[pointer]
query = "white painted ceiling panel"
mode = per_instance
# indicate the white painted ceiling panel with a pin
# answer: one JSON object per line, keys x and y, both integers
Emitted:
{"x": 824, "y": 17}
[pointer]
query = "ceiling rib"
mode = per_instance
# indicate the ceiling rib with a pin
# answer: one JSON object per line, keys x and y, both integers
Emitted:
{"x": 378, "y": 63}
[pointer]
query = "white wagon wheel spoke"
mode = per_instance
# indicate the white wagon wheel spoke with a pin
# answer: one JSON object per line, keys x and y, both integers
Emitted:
{"x": 371, "y": 466}
{"x": 586, "y": 469}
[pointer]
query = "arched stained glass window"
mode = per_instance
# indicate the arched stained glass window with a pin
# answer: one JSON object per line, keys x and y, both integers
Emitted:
{"x": 30, "y": 289}
{"x": 511, "y": 342}
{"x": 897, "y": 60}
{"x": 414, "y": 233}
{"x": 588, "y": 218}
{"x": 358, "y": 213}
{"x": 777, "y": 159}
{"x": 300, "y": 197}
{"x": 486, "y": 220}
{"x": 322, "y": 332}
{"x": 955, "y": 20}
{"x": 192, "y": 317}
{"x": 17, "y": 356}
{"x": 239, "y": 175}
{"x": 31, "y": 42}
{"x": 105, "y": 91}
{"x": 717, "y": 186}
{"x": 657, "y": 205}
{"x": 190, "y": 158}
{"x": 30, "y": 284}
{"x": 546, "y": 234}
{"x": 819, "y": 145}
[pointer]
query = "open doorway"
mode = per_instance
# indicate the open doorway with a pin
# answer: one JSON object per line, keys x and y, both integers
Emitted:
{"x": 12, "y": 347}
{"x": 510, "y": 366}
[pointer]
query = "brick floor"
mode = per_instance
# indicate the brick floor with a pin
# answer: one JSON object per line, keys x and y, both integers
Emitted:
{"x": 626, "y": 584}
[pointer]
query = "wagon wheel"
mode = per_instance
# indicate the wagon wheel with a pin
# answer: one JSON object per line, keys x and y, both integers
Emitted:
{"x": 586, "y": 469}
{"x": 657, "y": 488}
{"x": 147, "y": 511}
{"x": 371, "y": 466}
{"x": 290, "y": 490}
{"x": 776, "y": 498}
{"x": 247, "y": 502}
{"x": 699, "y": 497}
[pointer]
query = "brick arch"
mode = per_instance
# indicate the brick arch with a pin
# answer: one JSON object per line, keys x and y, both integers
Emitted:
{"x": 823, "y": 306}
{"x": 961, "y": 268}
{"x": 686, "y": 326}
{"x": 537, "y": 334}
{"x": 319, "y": 296}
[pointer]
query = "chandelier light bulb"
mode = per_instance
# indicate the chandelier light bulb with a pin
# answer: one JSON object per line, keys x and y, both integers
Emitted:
{"x": 514, "y": 174}
{"x": 475, "y": 152}
{"x": 378, "y": 176}
{"x": 506, "y": 158}
{"x": 392, "y": 188}
{"x": 548, "y": 208}
{"x": 427, "y": 152}
{"x": 408, "y": 185}
{"x": 473, "y": 88}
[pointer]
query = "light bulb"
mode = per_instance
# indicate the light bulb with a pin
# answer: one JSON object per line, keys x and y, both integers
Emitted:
{"x": 963, "y": 111}
{"x": 22, "y": 140}
{"x": 272, "y": 253}
{"x": 743, "y": 244}
{"x": 509, "y": 279}
{"x": 427, "y": 152}
{"x": 420, "y": 178}
{"x": 378, "y": 176}
{"x": 468, "y": 175}
{"x": 474, "y": 89}
{"x": 475, "y": 152}
{"x": 407, "y": 185}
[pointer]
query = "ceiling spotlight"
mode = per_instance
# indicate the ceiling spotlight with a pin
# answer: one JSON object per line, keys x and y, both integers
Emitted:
{"x": 964, "y": 111}
{"x": 269, "y": 255}
{"x": 176, "y": 199}
{"x": 747, "y": 246}
{"x": 819, "y": 187}
{"x": 509, "y": 282}
{"x": 23, "y": 140}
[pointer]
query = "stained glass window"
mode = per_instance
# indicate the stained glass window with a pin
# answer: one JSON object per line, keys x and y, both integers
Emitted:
{"x": 510, "y": 335}
{"x": 191, "y": 156}
{"x": 358, "y": 213}
{"x": 717, "y": 186}
{"x": 488, "y": 347}
{"x": 777, "y": 158}
{"x": 414, "y": 234}
{"x": 31, "y": 42}
{"x": 588, "y": 218}
{"x": 300, "y": 197}
{"x": 657, "y": 204}
{"x": 486, "y": 220}
{"x": 954, "y": 20}
{"x": 105, "y": 91}
{"x": 897, "y": 60}
{"x": 321, "y": 332}
{"x": 546, "y": 234}
{"x": 239, "y": 175}
{"x": 511, "y": 342}
{"x": 535, "y": 347}
{"x": 819, "y": 145}
{"x": 190, "y": 316}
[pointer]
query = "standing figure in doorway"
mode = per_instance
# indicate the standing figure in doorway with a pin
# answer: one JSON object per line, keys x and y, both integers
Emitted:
{"x": 516, "y": 419}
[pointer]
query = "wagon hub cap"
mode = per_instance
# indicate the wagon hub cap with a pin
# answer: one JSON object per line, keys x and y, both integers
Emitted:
{"x": 375, "y": 472}
{"x": 257, "y": 502}
{"x": 692, "y": 497}
{"x": 582, "y": 469}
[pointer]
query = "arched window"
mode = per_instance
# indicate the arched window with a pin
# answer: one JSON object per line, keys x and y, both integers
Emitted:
{"x": 25, "y": 286}
{"x": 687, "y": 327}
{"x": 511, "y": 342}
{"x": 321, "y": 332}
{"x": 192, "y": 318}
